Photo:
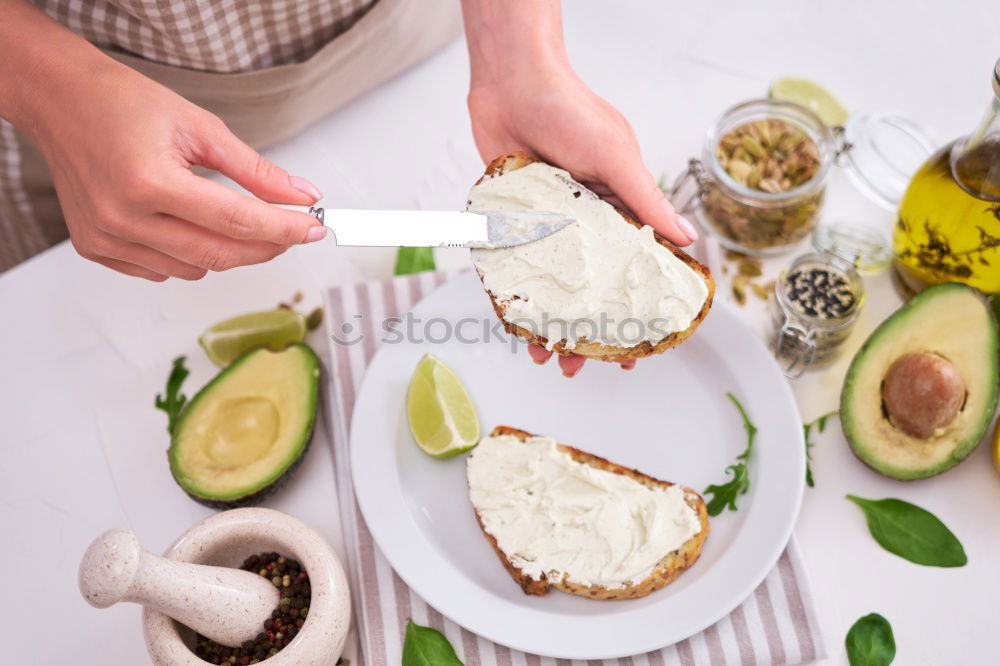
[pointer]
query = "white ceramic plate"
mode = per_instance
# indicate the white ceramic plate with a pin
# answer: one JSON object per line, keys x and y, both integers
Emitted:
{"x": 668, "y": 417}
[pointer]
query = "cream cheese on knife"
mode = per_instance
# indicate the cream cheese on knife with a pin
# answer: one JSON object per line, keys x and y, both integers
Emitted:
{"x": 601, "y": 279}
{"x": 554, "y": 516}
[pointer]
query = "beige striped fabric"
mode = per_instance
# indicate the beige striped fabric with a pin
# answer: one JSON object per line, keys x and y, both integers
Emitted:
{"x": 223, "y": 36}
{"x": 776, "y": 625}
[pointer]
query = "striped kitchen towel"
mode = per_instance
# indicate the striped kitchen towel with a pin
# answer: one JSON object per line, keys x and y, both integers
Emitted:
{"x": 776, "y": 625}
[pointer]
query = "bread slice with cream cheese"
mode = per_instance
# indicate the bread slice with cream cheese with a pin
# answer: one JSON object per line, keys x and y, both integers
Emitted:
{"x": 537, "y": 577}
{"x": 614, "y": 350}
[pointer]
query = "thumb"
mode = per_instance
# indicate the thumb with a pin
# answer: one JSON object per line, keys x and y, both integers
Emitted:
{"x": 634, "y": 185}
{"x": 225, "y": 153}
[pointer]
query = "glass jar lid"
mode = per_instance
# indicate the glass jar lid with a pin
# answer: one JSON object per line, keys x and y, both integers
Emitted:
{"x": 883, "y": 149}
{"x": 859, "y": 246}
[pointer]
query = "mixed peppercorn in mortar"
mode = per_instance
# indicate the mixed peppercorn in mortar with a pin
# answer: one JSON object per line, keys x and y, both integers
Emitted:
{"x": 285, "y": 622}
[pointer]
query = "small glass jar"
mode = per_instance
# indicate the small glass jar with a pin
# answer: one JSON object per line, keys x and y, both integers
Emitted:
{"x": 747, "y": 219}
{"x": 807, "y": 335}
{"x": 819, "y": 296}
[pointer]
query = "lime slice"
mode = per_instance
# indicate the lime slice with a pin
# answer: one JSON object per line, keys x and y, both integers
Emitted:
{"x": 275, "y": 329}
{"x": 442, "y": 417}
{"x": 811, "y": 95}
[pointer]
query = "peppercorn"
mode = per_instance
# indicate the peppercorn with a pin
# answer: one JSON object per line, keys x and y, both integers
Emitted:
{"x": 284, "y": 622}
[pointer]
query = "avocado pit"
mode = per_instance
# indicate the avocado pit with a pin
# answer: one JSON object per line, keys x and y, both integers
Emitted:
{"x": 922, "y": 393}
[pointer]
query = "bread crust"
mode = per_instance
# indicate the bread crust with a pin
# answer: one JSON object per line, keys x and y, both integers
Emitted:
{"x": 597, "y": 350}
{"x": 665, "y": 572}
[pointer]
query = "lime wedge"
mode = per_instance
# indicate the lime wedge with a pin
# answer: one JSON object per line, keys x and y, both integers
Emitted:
{"x": 442, "y": 417}
{"x": 275, "y": 329}
{"x": 811, "y": 95}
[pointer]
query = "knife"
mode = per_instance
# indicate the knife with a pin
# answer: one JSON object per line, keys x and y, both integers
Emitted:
{"x": 431, "y": 228}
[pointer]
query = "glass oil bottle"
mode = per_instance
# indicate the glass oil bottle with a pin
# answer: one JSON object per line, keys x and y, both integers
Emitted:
{"x": 948, "y": 227}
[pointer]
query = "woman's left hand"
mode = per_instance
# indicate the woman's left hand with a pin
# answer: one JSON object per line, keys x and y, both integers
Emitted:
{"x": 549, "y": 112}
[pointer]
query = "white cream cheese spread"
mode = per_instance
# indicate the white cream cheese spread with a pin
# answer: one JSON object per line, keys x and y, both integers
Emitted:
{"x": 554, "y": 517}
{"x": 600, "y": 279}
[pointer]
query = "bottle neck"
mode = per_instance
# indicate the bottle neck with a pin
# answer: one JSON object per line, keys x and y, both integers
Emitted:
{"x": 975, "y": 162}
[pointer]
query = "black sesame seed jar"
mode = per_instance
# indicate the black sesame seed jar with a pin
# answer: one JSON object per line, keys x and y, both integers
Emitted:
{"x": 818, "y": 300}
{"x": 819, "y": 296}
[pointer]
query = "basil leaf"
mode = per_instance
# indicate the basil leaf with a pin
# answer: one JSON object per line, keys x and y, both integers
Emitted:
{"x": 912, "y": 533}
{"x": 414, "y": 260}
{"x": 870, "y": 642}
{"x": 172, "y": 401}
{"x": 424, "y": 646}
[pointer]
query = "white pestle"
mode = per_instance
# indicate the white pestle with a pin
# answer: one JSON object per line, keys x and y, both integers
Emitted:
{"x": 226, "y": 605}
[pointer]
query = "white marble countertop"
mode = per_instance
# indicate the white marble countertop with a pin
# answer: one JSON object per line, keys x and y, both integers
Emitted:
{"x": 83, "y": 350}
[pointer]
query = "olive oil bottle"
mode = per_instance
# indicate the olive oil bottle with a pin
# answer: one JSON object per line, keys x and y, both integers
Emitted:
{"x": 948, "y": 228}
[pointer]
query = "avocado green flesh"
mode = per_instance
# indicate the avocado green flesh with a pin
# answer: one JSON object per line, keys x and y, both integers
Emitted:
{"x": 246, "y": 430}
{"x": 954, "y": 322}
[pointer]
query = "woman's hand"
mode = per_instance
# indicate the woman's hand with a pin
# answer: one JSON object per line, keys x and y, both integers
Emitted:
{"x": 549, "y": 112}
{"x": 525, "y": 96}
{"x": 121, "y": 147}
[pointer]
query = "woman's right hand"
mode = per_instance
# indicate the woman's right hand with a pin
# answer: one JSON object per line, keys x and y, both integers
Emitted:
{"x": 121, "y": 147}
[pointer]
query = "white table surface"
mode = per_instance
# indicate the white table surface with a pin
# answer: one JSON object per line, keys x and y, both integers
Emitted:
{"x": 83, "y": 350}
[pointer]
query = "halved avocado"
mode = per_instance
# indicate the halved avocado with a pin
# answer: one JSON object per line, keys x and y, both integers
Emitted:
{"x": 921, "y": 391}
{"x": 244, "y": 433}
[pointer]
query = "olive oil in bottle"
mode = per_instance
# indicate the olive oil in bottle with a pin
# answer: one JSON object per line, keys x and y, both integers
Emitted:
{"x": 948, "y": 228}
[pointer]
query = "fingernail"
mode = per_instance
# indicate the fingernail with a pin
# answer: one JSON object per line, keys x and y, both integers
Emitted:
{"x": 316, "y": 233}
{"x": 305, "y": 187}
{"x": 570, "y": 375}
{"x": 687, "y": 228}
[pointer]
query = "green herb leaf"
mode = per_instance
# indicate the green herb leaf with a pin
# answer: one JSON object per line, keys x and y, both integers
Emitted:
{"x": 414, "y": 260}
{"x": 174, "y": 401}
{"x": 424, "y": 646}
{"x": 870, "y": 642}
{"x": 314, "y": 319}
{"x": 913, "y": 533}
{"x": 820, "y": 425}
{"x": 726, "y": 494}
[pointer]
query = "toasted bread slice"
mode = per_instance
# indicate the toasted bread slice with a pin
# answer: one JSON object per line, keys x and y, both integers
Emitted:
{"x": 668, "y": 569}
{"x": 583, "y": 347}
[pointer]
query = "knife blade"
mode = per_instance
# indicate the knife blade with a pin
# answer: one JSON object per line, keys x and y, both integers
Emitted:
{"x": 429, "y": 228}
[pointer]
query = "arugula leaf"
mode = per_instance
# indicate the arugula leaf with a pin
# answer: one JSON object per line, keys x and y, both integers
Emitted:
{"x": 424, "y": 646}
{"x": 174, "y": 400}
{"x": 913, "y": 533}
{"x": 414, "y": 260}
{"x": 726, "y": 494}
{"x": 820, "y": 425}
{"x": 870, "y": 642}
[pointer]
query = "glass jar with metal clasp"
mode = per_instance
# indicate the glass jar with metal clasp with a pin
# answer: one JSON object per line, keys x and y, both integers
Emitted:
{"x": 819, "y": 295}
{"x": 761, "y": 181}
